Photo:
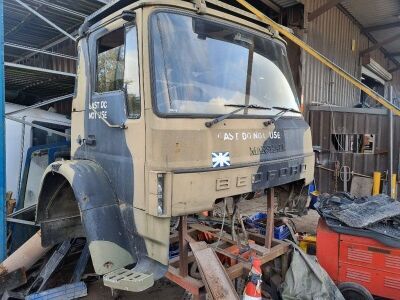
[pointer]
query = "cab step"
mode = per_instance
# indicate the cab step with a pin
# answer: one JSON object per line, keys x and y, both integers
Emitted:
{"x": 128, "y": 280}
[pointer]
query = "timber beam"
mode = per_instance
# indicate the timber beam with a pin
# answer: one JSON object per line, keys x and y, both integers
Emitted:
{"x": 322, "y": 9}
{"x": 380, "y": 44}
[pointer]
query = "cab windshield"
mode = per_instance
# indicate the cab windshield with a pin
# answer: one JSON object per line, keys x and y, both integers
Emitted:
{"x": 200, "y": 66}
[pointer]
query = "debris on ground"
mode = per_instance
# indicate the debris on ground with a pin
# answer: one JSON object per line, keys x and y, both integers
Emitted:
{"x": 376, "y": 217}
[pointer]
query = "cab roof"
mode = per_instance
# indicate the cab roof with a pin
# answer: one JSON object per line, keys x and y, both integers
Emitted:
{"x": 224, "y": 6}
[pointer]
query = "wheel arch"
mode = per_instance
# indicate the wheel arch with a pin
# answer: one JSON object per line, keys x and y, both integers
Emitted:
{"x": 76, "y": 199}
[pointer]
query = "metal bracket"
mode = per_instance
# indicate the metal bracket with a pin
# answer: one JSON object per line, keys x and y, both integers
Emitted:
{"x": 200, "y": 6}
{"x": 49, "y": 268}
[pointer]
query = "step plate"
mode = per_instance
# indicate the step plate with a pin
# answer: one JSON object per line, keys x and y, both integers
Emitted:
{"x": 128, "y": 280}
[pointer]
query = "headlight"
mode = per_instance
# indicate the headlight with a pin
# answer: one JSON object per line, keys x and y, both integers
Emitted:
{"x": 160, "y": 194}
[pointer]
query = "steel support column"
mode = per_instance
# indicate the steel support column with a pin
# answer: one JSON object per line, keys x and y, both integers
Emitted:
{"x": 390, "y": 160}
{"x": 3, "y": 225}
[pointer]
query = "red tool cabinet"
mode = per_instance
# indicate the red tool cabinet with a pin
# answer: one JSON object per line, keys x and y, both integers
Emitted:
{"x": 365, "y": 261}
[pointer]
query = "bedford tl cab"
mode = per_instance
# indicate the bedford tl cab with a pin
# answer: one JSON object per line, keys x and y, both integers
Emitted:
{"x": 178, "y": 104}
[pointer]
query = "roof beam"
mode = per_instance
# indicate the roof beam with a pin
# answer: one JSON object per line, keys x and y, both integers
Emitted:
{"x": 45, "y": 19}
{"x": 367, "y": 34}
{"x": 271, "y": 5}
{"x": 52, "y": 44}
{"x": 322, "y": 9}
{"x": 12, "y": 65}
{"x": 61, "y": 8}
{"x": 23, "y": 47}
{"x": 22, "y": 22}
{"x": 381, "y": 27}
{"x": 380, "y": 44}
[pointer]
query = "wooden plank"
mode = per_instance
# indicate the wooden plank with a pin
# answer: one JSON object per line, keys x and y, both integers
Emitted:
{"x": 275, "y": 252}
{"x": 215, "y": 278}
{"x": 235, "y": 271}
{"x": 259, "y": 249}
{"x": 197, "y": 246}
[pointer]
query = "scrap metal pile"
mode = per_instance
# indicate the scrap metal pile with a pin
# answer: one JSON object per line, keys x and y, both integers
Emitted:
{"x": 376, "y": 217}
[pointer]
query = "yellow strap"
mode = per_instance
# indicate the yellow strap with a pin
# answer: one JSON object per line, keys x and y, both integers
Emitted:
{"x": 321, "y": 58}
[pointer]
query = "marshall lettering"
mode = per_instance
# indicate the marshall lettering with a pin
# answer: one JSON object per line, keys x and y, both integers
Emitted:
{"x": 267, "y": 149}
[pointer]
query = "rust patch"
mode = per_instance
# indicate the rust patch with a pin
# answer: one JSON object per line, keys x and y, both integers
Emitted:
{"x": 3, "y": 270}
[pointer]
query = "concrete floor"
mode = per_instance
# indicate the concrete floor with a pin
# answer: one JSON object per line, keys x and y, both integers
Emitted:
{"x": 166, "y": 290}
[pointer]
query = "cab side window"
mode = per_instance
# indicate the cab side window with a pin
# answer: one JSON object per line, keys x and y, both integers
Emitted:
{"x": 110, "y": 62}
{"x": 132, "y": 73}
{"x": 118, "y": 66}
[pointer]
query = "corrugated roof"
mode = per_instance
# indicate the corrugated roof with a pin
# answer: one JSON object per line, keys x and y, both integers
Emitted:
{"x": 22, "y": 29}
{"x": 374, "y": 13}
{"x": 286, "y": 3}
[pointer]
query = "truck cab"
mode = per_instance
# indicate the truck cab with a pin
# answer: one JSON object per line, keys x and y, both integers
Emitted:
{"x": 178, "y": 104}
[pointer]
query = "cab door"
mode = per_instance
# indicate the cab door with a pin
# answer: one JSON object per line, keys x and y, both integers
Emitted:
{"x": 114, "y": 126}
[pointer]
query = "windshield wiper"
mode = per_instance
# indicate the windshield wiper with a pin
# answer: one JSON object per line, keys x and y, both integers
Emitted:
{"x": 283, "y": 110}
{"x": 241, "y": 107}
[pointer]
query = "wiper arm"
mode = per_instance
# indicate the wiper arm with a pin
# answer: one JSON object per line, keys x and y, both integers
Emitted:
{"x": 241, "y": 107}
{"x": 286, "y": 109}
{"x": 283, "y": 110}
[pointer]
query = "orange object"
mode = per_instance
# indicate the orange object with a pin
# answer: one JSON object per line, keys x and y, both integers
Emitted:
{"x": 252, "y": 291}
{"x": 234, "y": 249}
{"x": 362, "y": 260}
{"x": 206, "y": 236}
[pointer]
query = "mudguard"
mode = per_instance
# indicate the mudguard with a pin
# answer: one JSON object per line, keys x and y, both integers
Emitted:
{"x": 109, "y": 243}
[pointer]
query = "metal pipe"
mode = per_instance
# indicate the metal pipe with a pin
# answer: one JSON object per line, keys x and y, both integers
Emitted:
{"x": 25, "y": 256}
{"x": 45, "y": 19}
{"x": 3, "y": 225}
{"x": 38, "y": 126}
{"x": 40, "y": 104}
{"x": 23, "y": 47}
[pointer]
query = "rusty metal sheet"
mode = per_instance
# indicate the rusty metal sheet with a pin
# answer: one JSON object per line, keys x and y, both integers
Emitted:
{"x": 214, "y": 276}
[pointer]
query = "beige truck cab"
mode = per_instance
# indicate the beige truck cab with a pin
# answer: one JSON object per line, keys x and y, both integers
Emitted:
{"x": 178, "y": 104}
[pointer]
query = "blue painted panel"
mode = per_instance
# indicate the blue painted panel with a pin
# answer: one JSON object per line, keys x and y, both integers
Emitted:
{"x": 3, "y": 228}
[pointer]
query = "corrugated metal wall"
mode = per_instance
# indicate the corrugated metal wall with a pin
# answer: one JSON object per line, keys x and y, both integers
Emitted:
{"x": 326, "y": 121}
{"x": 332, "y": 34}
